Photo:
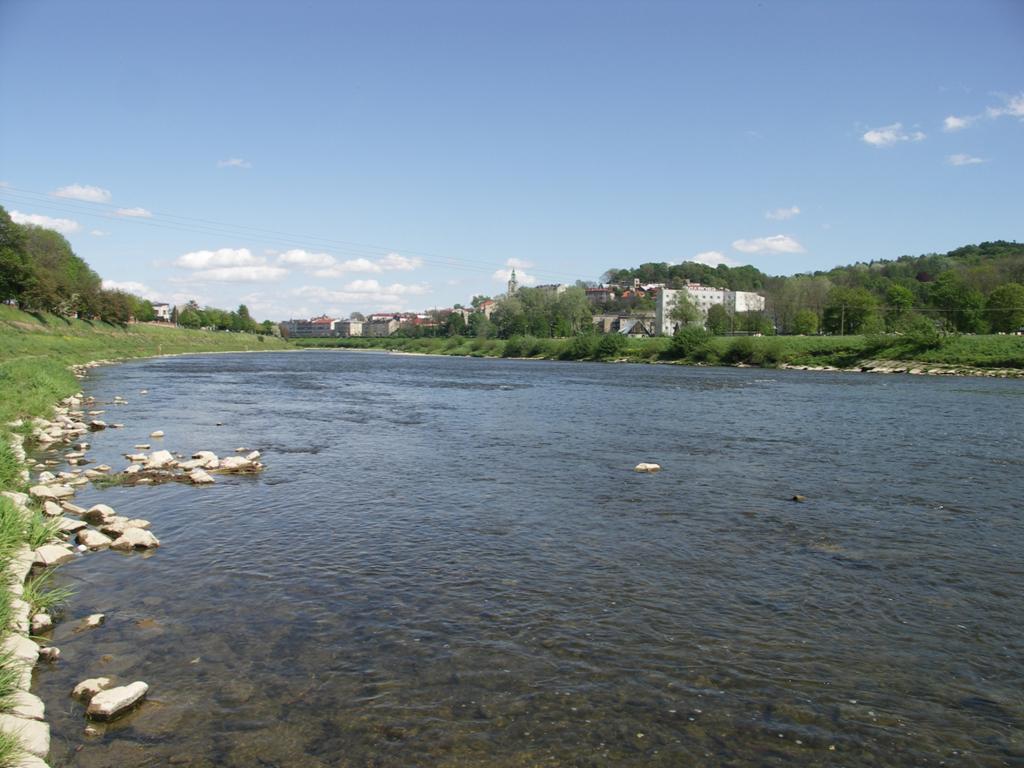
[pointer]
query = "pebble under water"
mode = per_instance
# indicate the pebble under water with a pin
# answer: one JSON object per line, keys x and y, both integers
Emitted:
{"x": 450, "y": 562}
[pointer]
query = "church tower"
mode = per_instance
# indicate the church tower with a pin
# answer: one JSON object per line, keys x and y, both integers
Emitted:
{"x": 513, "y": 285}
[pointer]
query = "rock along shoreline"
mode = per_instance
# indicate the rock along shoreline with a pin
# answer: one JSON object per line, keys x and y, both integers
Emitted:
{"x": 73, "y": 532}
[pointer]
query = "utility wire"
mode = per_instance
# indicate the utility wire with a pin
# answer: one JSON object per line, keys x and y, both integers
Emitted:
{"x": 163, "y": 220}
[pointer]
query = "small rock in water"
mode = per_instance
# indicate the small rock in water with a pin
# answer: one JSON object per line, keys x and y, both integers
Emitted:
{"x": 143, "y": 446}
{"x": 110, "y": 703}
{"x": 88, "y": 688}
{"x": 645, "y": 467}
{"x": 94, "y": 620}
{"x": 143, "y": 391}
{"x": 49, "y": 653}
{"x": 135, "y": 537}
{"x": 41, "y": 622}
{"x": 157, "y": 433}
{"x": 798, "y": 497}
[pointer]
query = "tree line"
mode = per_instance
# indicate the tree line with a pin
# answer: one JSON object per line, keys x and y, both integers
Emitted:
{"x": 40, "y": 272}
{"x": 973, "y": 289}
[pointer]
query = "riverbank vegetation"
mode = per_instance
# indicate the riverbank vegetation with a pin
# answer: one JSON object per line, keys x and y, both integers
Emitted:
{"x": 699, "y": 347}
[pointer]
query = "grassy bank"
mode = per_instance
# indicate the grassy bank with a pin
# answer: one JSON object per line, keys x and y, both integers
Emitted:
{"x": 985, "y": 352}
{"x": 35, "y": 352}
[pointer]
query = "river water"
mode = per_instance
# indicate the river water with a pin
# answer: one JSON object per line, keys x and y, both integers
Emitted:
{"x": 450, "y": 562}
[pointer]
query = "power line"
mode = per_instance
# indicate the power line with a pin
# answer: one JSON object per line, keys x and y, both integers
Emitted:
{"x": 163, "y": 220}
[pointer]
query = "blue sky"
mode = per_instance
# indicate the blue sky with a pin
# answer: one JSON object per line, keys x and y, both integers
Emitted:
{"x": 311, "y": 157}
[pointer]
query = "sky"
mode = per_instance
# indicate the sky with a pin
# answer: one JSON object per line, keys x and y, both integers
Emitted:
{"x": 330, "y": 157}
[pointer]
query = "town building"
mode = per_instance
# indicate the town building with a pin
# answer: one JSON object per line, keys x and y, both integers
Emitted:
{"x": 378, "y": 327}
{"x": 600, "y": 294}
{"x": 162, "y": 311}
{"x": 317, "y": 327}
{"x": 347, "y": 328}
{"x": 487, "y": 307}
{"x": 703, "y": 297}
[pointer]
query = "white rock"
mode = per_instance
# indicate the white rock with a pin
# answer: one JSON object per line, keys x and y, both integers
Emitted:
{"x": 95, "y": 425}
{"x": 29, "y": 761}
{"x": 135, "y": 537}
{"x": 157, "y": 433}
{"x": 234, "y": 462}
{"x": 252, "y": 456}
{"x": 88, "y": 688}
{"x": 47, "y": 477}
{"x": 93, "y": 620}
{"x": 137, "y": 458}
{"x": 102, "y": 467}
{"x": 49, "y": 653}
{"x": 93, "y": 539}
{"x": 54, "y": 554}
{"x": 34, "y": 735}
{"x": 52, "y": 509}
{"x": 141, "y": 446}
{"x": 74, "y": 509}
{"x": 115, "y": 526}
{"x": 132, "y": 469}
{"x": 159, "y": 459}
{"x": 644, "y": 467}
{"x": 51, "y": 491}
{"x": 19, "y": 499}
{"x": 41, "y": 622}
{"x": 69, "y": 526}
{"x": 21, "y": 648}
{"x": 24, "y": 704}
{"x": 205, "y": 455}
{"x": 200, "y": 477}
{"x": 113, "y": 701}
{"x": 99, "y": 513}
{"x": 138, "y": 522}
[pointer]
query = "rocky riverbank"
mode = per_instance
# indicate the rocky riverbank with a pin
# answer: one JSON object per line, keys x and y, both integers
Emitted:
{"x": 65, "y": 531}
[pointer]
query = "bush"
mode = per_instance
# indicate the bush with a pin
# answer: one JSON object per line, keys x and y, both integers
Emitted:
{"x": 690, "y": 341}
{"x": 611, "y": 345}
{"x": 741, "y": 350}
{"x": 580, "y": 348}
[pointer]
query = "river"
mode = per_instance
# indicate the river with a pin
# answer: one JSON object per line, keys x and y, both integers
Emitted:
{"x": 450, "y": 562}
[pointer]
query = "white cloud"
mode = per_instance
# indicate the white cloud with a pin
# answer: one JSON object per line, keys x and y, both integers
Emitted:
{"x": 397, "y": 262}
{"x": 1013, "y": 106}
{"x": 780, "y": 214}
{"x": 87, "y": 193}
{"x": 253, "y": 274}
{"x": 391, "y": 262}
{"x": 134, "y": 213}
{"x": 303, "y": 258}
{"x": 234, "y": 162}
{"x": 954, "y": 123}
{"x": 519, "y": 263}
{"x": 139, "y": 289}
{"x": 98, "y": 232}
{"x": 222, "y": 257}
{"x": 772, "y": 244}
{"x": 523, "y": 278}
{"x": 64, "y": 226}
{"x": 962, "y": 159}
{"x": 888, "y": 135}
{"x": 368, "y": 294}
{"x": 714, "y": 258}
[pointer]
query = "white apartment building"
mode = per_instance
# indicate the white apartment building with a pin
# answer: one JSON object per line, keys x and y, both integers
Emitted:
{"x": 703, "y": 297}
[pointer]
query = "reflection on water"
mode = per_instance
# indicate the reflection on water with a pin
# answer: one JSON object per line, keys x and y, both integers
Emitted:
{"x": 449, "y": 562}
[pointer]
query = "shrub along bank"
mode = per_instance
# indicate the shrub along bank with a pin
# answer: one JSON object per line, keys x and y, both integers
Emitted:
{"x": 697, "y": 346}
{"x": 35, "y": 353}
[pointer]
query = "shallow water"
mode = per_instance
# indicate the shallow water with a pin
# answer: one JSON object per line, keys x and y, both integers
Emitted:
{"x": 450, "y": 562}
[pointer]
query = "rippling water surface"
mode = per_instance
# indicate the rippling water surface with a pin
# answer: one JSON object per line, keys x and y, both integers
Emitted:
{"x": 450, "y": 562}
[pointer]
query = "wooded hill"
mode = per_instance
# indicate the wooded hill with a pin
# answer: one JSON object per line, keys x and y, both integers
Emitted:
{"x": 973, "y": 289}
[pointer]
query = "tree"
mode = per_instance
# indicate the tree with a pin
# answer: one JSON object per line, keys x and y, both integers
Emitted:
{"x": 805, "y": 322}
{"x": 454, "y": 325}
{"x": 718, "y": 321}
{"x": 684, "y": 312}
{"x": 14, "y": 272}
{"x": 961, "y": 306}
{"x": 357, "y": 316}
{"x": 900, "y": 300}
{"x": 480, "y": 326}
{"x": 478, "y": 300}
{"x": 1005, "y": 308}
{"x": 850, "y": 311}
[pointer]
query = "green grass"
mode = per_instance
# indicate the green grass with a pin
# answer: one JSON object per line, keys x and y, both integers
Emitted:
{"x": 10, "y": 750}
{"x": 43, "y": 596}
{"x": 764, "y": 351}
{"x": 35, "y": 354}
